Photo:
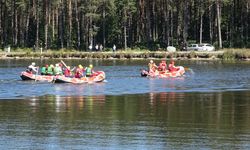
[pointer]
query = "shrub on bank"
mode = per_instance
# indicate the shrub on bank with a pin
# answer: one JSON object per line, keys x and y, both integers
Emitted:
{"x": 242, "y": 54}
{"x": 230, "y": 54}
{"x": 192, "y": 54}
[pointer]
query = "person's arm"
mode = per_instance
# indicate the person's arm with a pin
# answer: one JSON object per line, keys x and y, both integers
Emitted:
{"x": 35, "y": 69}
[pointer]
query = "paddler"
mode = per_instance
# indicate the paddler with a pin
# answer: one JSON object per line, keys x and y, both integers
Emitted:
{"x": 171, "y": 66}
{"x": 58, "y": 70}
{"x": 162, "y": 66}
{"x": 89, "y": 71}
{"x": 152, "y": 66}
{"x": 32, "y": 68}
{"x": 44, "y": 70}
{"x": 79, "y": 71}
{"x": 67, "y": 72}
{"x": 51, "y": 70}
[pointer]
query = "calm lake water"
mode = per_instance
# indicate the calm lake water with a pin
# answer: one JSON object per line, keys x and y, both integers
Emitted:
{"x": 209, "y": 108}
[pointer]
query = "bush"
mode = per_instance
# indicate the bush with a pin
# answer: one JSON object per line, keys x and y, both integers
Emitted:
{"x": 192, "y": 54}
{"x": 228, "y": 55}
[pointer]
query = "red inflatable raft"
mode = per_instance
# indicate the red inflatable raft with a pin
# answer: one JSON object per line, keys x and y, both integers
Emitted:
{"x": 98, "y": 76}
{"x": 164, "y": 74}
{"x": 29, "y": 76}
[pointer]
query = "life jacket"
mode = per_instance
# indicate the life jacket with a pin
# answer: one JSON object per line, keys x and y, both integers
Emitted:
{"x": 60, "y": 71}
{"x": 44, "y": 70}
{"x": 171, "y": 68}
{"x": 50, "y": 71}
{"x": 57, "y": 70}
{"x": 78, "y": 73}
{"x": 162, "y": 67}
{"x": 67, "y": 72}
{"x": 88, "y": 71}
{"x": 163, "y": 64}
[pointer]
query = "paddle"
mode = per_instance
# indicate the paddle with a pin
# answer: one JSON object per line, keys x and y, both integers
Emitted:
{"x": 54, "y": 79}
{"x": 63, "y": 63}
{"x": 36, "y": 73}
{"x": 67, "y": 66}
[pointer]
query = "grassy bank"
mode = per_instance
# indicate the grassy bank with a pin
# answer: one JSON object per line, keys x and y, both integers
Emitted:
{"x": 238, "y": 54}
{"x": 226, "y": 54}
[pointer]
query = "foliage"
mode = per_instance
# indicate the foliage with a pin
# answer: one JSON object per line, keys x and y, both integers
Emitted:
{"x": 142, "y": 24}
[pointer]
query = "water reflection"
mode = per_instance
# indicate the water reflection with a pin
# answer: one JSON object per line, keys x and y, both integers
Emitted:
{"x": 164, "y": 120}
{"x": 67, "y": 103}
{"x": 78, "y": 89}
{"x": 215, "y": 110}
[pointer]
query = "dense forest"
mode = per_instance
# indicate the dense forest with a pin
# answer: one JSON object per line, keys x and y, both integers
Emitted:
{"x": 148, "y": 24}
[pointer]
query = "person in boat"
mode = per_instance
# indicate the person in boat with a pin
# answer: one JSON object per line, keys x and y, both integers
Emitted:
{"x": 67, "y": 72}
{"x": 61, "y": 66}
{"x": 162, "y": 66}
{"x": 152, "y": 67}
{"x": 44, "y": 70}
{"x": 32, "y": 68}
{"x": 79, "y": 71}
{"x": 50, "y": 70}
{"x": 57, "y": 70}
{"x": 89, "y": 71}
{"x": 171, "y": 67}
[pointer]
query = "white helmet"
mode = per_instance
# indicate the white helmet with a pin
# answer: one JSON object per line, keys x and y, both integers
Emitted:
{"x": 33, "y": 64}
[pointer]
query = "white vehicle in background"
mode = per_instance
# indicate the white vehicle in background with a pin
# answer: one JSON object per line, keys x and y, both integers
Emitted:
{"x": 206, "y": 47}
{"x": 201, "y": 47}
{"x": 193, "y": 47}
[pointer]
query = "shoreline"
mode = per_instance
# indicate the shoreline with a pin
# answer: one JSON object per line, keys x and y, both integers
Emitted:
{"x": 179, "y": 55}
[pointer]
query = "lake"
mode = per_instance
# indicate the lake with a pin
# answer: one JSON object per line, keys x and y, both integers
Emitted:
{"x": 209, "y": 108}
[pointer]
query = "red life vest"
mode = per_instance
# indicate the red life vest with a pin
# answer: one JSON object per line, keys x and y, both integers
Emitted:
{"x": 67, "y": 72}
{"x": 171, "y": 68}
{"x": 79, "y": 73}
{"x": 162, "y": 66}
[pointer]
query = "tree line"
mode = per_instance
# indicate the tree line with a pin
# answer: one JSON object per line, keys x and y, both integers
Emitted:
{"x": 147, "y": 24}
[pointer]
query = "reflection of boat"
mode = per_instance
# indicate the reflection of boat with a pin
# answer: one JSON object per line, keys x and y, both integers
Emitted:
{"x": 98, "y": 76}
{"x": 29, "y": 76}
{"x": 164, "y": 74}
